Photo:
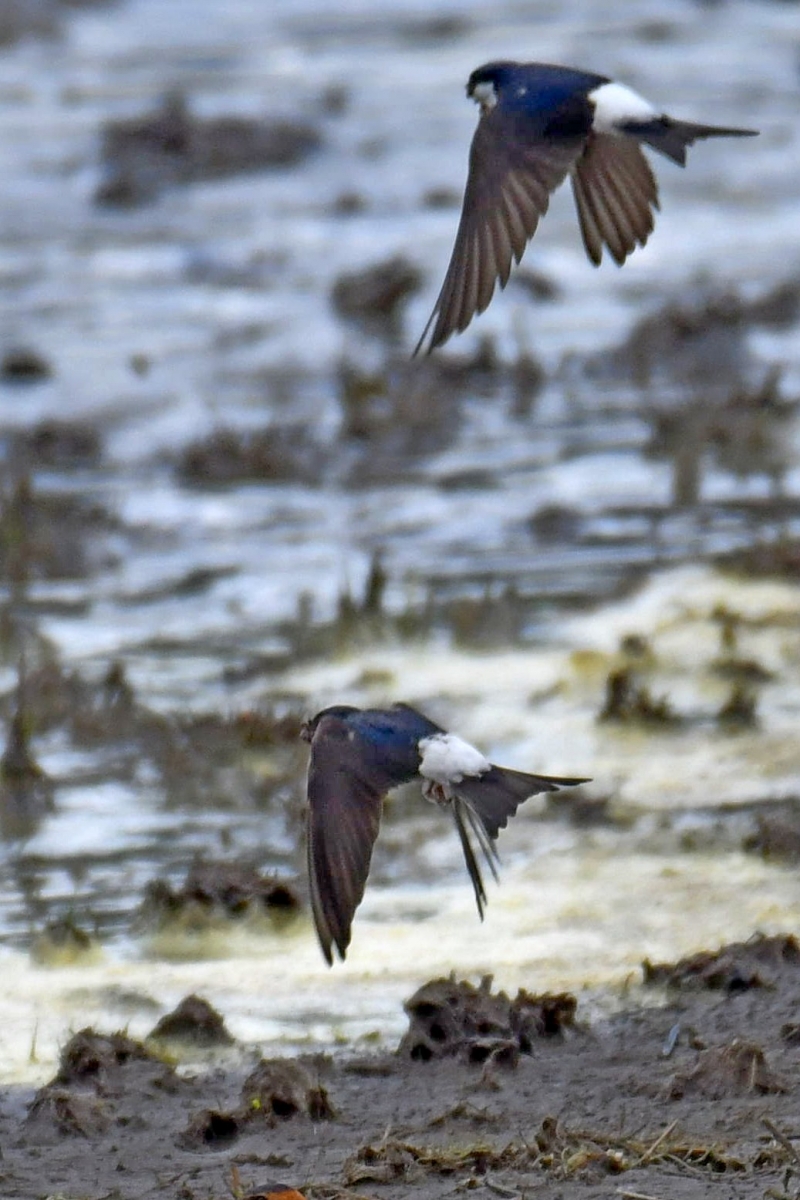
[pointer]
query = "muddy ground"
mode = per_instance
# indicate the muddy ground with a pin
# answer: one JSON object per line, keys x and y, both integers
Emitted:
{"x": 693, "y": 1093}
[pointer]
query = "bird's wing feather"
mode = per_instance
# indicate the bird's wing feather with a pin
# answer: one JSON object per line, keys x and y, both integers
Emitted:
{"x": 344, "y": 810}
{"x": 615, "y": 194}
{"x": 511, "y": 177}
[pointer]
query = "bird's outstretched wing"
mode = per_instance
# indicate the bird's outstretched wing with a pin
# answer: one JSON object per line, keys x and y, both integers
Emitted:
{"x": 511, "y": 176}
{"x": 344, "y": 810}
{"x": 615, "y": 194}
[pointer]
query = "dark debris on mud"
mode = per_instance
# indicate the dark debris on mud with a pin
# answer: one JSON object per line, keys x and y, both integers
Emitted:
{"x": 629, "y": 699}
{"x": 275, "y": 1092}
{"x": 776, "y": 832}
{"x": 278, "y": 454}
{"x": 756, "y": 963}
{"x": 63, "y": 942}
{"x": 700, "y": 341}
{"x": 23, "y": 365}
{"x": 376, "y": 296}
{"x": 220, "y": 890}
{"x": 453, "y": 1018}
{"x": 194, "y": 1022}
{"x": 739, "y": 1068}
{"x": 53, "y": 535}
{"x": 144, "y": 155}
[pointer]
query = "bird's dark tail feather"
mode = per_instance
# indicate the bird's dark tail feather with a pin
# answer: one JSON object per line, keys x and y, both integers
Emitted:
{"x": 497, "y": 794}
{"x": 671, "y": 138}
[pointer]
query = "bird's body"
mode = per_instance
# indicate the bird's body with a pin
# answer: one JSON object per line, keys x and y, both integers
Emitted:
{"x": 539, "y": 124}
{"x": 357, "y": 756}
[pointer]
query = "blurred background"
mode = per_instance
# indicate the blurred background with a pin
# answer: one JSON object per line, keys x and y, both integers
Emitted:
{"x": 228, "y": 497}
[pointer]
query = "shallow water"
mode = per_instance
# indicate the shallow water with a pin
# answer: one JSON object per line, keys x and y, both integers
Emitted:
{"x": 220, "y": 293}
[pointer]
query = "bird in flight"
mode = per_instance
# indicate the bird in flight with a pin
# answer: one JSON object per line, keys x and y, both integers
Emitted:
{"x": 357, "y": 756}
{"x": 539, "y": 124}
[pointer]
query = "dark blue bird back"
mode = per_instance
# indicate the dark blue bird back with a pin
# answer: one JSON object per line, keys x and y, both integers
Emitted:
{"x": 390, "y": 737}
{"x": 546, "y": 88}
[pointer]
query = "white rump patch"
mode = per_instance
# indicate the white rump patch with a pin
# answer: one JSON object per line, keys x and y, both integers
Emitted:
{"x": 485, "y": 95}
{"x": 615, "y": 105}
{"x": 447, "y": 759}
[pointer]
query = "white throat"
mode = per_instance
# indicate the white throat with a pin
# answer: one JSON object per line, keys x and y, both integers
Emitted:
{"x": 485, "y": 95}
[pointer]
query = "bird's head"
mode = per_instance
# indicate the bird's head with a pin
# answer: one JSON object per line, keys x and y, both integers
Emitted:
{"x": 309, "y": 727}
{"x": 485, "y": 82}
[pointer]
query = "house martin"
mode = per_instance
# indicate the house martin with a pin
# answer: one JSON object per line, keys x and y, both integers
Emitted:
{"x": 538, "y": 124}
{"x": 357, "y": 756}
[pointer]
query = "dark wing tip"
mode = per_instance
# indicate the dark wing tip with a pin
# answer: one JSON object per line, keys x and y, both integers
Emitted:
{"x": 509, "y": 182}
{"x": 324, "y": 936}
{"x": 433, "y": 343}
{"x": 335, "y": 893}
{"x": 330, "y": 933}
{"x": 333, "y": 926}
{"x": 342, "y": 941}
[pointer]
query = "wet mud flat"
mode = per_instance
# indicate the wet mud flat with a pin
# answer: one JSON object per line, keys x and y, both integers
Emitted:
{"x": 690, "y": 1089}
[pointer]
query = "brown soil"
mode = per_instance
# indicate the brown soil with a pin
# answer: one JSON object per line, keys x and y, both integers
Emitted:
{"x": 690, "y": 1098}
